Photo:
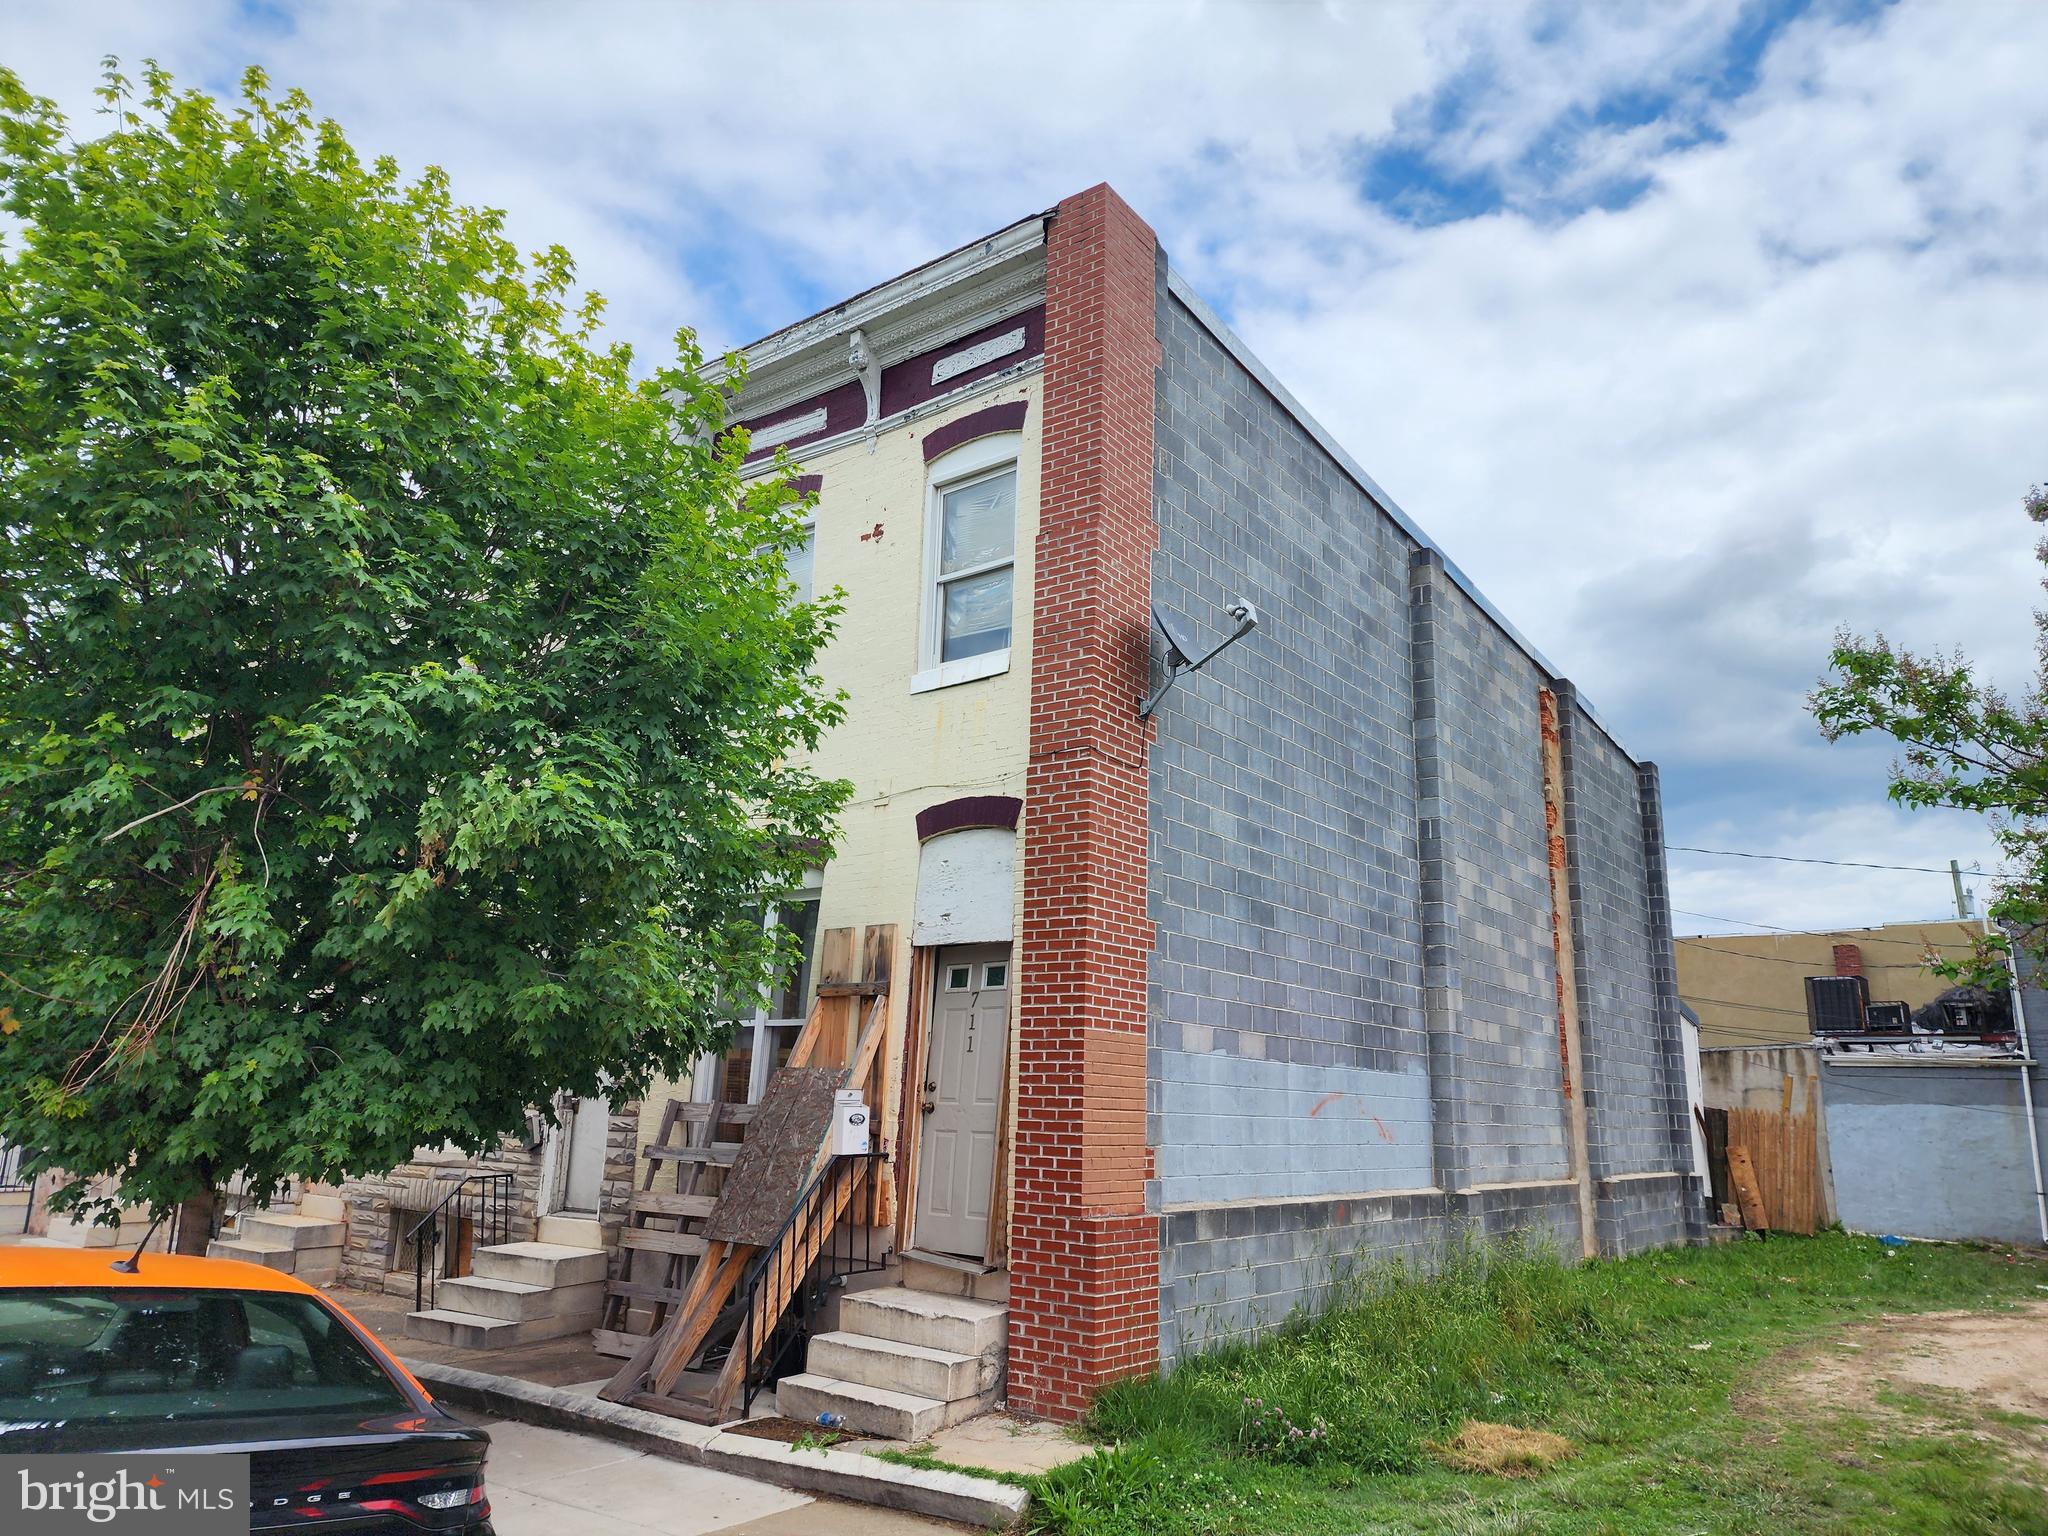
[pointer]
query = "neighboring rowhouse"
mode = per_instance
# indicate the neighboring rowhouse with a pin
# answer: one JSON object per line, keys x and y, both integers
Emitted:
{"x": 1360, "y": 940}
{"x": 1750, "y": 988}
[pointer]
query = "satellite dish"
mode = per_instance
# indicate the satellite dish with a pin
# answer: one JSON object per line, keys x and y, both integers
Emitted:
{"x": 1181, "y": 658}
{"x": 1176, "y": 653}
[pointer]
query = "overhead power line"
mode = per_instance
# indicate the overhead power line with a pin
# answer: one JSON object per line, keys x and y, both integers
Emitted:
{"x": 1808, "y": 965}
{"x": 1786, "y": 858}
{"x": 1862, "y": 936}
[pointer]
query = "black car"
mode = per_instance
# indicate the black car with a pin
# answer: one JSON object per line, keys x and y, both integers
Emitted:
{"x": 208, "y": 1355}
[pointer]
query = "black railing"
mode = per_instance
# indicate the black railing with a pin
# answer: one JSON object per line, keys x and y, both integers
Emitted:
{"x": 479, "y": 1205}
{"x": 828, "y": 1235}
{"x": 14, "y": 1182}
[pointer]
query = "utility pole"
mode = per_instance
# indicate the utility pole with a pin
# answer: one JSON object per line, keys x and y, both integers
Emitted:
{"x": 1955, "y": 874}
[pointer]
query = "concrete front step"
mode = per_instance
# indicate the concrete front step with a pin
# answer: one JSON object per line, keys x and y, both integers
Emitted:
{"x": 271, "y": 1229}
{"x": 471, "y": 1330}
{"x": 269, "y": 1255}
{"x": 870, "y": 1362}
{"x": 542, "y": 1264}
{"x": 956, "y": 1324}
{"x": 323, "y": 1207}
{"x": 513, "y": 1302}
{"x": 866, "y": 1410}
{"x": 955, "y": 1277}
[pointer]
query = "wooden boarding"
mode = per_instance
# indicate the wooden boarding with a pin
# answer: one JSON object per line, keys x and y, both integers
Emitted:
{"x": 776, "y": 1163}
{"x": 787, "y": 1143}
{"x": 1742, "y": 1174}
{"x": 1781, "y": 1149}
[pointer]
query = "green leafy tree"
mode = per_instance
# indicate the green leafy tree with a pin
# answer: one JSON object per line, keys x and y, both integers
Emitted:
{"x": 1966, "y": 745}
{"x": 402, "y": 707}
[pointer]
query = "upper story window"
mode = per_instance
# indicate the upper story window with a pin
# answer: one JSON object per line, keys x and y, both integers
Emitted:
{"x": 797, "y": 563}
{"x": 971, "y": 556}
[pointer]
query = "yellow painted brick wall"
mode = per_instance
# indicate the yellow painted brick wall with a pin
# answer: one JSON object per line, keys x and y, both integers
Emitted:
{"x": 904, "y": 752}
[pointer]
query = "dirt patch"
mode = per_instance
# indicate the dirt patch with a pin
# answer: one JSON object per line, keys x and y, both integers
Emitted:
{"x": 1983, "y": 1372}
{"x": 793, "y": 1432}
{"x": 1502, "y": 1450}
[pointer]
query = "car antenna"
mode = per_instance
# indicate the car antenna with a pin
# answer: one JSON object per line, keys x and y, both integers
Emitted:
{"x": 133, "y": 1263}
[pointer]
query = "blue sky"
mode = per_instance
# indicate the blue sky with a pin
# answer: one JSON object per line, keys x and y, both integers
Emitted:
{"x": 1693, "y": 331}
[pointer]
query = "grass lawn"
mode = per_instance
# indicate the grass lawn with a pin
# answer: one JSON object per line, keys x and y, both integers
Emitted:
{"x": 1681, "y": 1379}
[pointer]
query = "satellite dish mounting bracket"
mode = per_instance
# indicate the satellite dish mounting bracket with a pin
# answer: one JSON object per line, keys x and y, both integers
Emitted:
{"x": 1178, "y": 657}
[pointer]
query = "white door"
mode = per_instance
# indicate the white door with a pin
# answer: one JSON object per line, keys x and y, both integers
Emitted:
{"x": 583, "y": 1178}
{"x": 964, "y": 1059}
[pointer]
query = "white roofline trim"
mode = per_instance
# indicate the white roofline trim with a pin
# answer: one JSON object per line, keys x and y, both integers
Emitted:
{"x": 1181, "y": 289}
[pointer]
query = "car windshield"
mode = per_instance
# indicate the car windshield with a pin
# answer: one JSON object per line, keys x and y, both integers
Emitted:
{"x": 77, "y": 1366}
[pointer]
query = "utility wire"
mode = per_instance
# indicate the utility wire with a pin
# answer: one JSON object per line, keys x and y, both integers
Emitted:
{"x": 1808, "y": 965}
{"x": 1803, "y": 932}
{"x": 1786, "y": 858}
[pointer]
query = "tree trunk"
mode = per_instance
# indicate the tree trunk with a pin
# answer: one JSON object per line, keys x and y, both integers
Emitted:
{"x": 195, "y": 1221}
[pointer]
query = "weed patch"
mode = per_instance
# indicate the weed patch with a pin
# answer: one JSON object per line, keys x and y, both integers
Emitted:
{"x": 1394, "y": 1409}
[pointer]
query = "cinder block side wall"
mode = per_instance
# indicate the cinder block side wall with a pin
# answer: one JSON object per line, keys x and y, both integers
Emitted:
{"x": 1289, "y": 1059}
{"x": 1354, "y": 1038}
{"x": 1627, "y": 1067}
{"x": 1506, "y": 1070}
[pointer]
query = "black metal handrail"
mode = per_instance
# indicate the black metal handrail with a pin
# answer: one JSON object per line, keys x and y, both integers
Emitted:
{"x": 482, "y": 1199}
{"x": 830, "y": 1240}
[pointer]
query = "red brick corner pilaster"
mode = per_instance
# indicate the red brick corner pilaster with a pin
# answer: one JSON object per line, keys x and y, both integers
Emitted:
{"x": 1084, "y": 1255}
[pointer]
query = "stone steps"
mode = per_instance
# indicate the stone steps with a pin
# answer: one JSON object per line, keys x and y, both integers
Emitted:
{"x": 903, "y": 1364}
{"x": 294, "y": 1243}
{"x": 515, "y": 1293}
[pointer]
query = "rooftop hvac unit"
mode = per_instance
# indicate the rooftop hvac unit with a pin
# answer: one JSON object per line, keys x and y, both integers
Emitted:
{"x": 1838, "y": 1005}
{"x": 1890, "y": 1019}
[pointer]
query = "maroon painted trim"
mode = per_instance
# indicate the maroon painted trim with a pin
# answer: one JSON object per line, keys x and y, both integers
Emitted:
{"x": 1007, "y": 417}
{"x": 805, "y": 485}
{"x": 846, "y": 407}
{"x": 909, "y": 382}
{"x": 968, "y": 811}
{"x": 904, "y": 384}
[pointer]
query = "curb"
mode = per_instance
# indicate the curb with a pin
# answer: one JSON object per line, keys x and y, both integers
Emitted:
{"x": 841, "y": 1474}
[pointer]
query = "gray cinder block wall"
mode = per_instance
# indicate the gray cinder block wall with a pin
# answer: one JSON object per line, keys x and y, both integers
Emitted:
{"x": 1354, "y": 1047}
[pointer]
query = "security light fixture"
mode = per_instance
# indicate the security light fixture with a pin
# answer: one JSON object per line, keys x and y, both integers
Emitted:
{"x": 1180, "y": 659}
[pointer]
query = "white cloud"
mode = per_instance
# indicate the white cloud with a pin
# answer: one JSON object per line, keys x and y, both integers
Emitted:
{"x": 1799, "y": 382}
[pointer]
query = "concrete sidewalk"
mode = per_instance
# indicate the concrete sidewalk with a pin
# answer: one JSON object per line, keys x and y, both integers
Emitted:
{"x": 545, "y": 1482}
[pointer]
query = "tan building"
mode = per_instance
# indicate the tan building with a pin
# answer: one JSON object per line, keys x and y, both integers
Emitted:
{"x": 1750, "y": 988}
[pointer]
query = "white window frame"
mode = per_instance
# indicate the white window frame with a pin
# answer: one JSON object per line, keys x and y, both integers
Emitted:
{"x": 978, "y": 460}
{"x": 758, "y": 1024}
{"x": 810, "y": 526}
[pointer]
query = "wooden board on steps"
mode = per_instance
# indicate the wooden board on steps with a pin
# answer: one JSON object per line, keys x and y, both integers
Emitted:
{"x": 775, "y": 1164}
{"x": 842, "y": 1040}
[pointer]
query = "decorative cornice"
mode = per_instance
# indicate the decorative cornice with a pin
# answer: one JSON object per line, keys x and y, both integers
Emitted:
{"x": 811, "y": 451}
{"x": 916, "y": 313}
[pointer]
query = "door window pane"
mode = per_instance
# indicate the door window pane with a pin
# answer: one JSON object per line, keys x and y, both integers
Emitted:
{"x": 980, "y": 523}
{"x": 977, "y": 616}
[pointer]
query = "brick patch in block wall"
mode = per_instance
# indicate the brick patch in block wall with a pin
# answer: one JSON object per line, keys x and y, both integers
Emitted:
{"x": 1084, "y": 1254}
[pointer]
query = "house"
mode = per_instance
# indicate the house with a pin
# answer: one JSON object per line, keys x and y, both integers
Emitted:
{"x": 1750, "y": 988}
{"x": 1356, "y": 940}
{"x": 1922, "y": 1123}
